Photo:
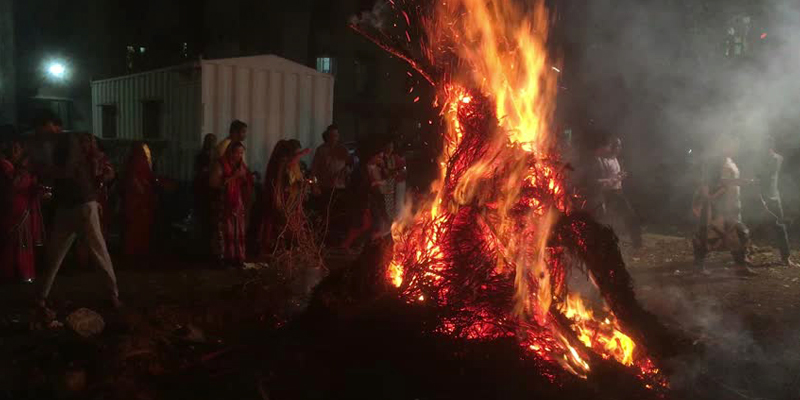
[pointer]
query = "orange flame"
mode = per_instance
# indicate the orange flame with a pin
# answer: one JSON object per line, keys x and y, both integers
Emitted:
{"x": 502, "y": 56}
{"x": 504, "y": 48}
{"x": 604, "y": 336}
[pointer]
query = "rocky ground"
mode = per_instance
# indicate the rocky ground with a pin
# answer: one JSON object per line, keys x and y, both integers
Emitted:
{"x": 185, "y": 328}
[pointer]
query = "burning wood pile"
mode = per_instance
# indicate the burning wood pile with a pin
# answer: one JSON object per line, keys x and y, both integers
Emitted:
{"x": 493, "y": 247}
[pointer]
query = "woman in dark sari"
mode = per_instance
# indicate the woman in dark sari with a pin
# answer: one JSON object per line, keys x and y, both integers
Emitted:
{"x": 202, "y": 192}
{"x": 272, "y": 219}
{"x": 284, "y": 194}
{"x": 371, "y": 193}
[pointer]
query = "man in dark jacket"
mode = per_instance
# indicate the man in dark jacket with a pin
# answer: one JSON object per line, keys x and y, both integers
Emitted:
{"x": 77, "y": 211}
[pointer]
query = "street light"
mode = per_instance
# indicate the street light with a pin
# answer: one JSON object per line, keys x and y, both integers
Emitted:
{"x": 56, "y": 70}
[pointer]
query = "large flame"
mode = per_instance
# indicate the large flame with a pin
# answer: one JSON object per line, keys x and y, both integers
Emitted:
{"x": 502, "y": 45}
{"x": 498, "y": 192}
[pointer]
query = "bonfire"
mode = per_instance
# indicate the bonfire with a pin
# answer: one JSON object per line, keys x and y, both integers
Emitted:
{"x": 495, "y": 243}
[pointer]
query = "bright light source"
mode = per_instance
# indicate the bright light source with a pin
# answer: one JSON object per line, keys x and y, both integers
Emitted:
{"x": 56, "y": 70}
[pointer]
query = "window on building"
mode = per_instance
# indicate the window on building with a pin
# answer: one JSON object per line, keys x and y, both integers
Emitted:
{"x": 151, "y": 119}
{"x": 326, "y": 65}
{"x": 108, "y": 121}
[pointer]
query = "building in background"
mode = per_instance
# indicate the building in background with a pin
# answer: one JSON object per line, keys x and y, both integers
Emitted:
{"x": 373, "y": 89}
{"x": 8, "y": 110}
{"x": 99, "y": 39}
{"x": 93, "y": 39}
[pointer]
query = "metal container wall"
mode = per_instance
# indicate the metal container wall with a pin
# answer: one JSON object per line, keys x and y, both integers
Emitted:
{"x": 277, "y": 98}
{"x": 178, "y": 90}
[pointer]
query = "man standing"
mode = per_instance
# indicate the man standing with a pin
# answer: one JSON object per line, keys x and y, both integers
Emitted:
{"x": 76, "y": 211}
{"x": 236, "y": 133}
{"x": 770, "y": 164}
{"x": 608, "y": 178}
{"x": 330, "y": 164}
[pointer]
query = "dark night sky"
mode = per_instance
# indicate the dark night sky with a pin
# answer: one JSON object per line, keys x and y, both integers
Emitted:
{"x": 94, "y": 34}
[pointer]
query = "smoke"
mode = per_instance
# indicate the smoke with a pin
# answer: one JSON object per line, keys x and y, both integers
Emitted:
{"x": 376, "y": 18}
{"x": 732, "y": 362}
{"x": 672, "y": 76}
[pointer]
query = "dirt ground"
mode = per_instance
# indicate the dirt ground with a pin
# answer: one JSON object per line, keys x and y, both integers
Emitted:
{"x": 183, "y": 318}
{"x": 749, "y": 326}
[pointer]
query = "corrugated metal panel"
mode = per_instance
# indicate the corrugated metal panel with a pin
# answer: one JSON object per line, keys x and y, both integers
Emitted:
{"x": 279, "y": 99}
{"x": 179, "y": 93}
{"x": 260, "y": 144}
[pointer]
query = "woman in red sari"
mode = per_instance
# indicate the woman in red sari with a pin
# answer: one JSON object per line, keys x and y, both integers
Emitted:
{"x": 20, "y": 192}
{"x": 138, "y": 201}
{"x": 233, "y": 184}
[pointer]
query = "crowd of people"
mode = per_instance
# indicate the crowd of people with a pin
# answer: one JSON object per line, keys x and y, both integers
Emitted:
{"x": 55, "y": 188}
{"x": 55, "y": 185}
{"x": 717, "y": 203}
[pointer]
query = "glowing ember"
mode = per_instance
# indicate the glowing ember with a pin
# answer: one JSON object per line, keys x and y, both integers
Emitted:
{"x": 605, "y": 337}
{"x": 481, "y": 246}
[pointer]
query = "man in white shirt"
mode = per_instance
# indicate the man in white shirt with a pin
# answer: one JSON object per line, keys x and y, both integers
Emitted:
{"x": 609, "y": 176}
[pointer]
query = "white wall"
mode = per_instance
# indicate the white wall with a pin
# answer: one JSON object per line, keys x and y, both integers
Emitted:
{"x": 277, "y": 98}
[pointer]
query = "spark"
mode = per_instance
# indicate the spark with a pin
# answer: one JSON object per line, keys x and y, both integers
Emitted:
{"x": 408, "y": 22}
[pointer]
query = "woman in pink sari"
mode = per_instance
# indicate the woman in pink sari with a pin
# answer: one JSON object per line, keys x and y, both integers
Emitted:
{"x": 20, "y": 193}
{"x": 138, "y": 201}
{"x": 233, "y": 184}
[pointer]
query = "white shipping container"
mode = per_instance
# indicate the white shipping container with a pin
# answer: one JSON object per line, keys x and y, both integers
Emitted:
{"x": 277, "y": 98}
